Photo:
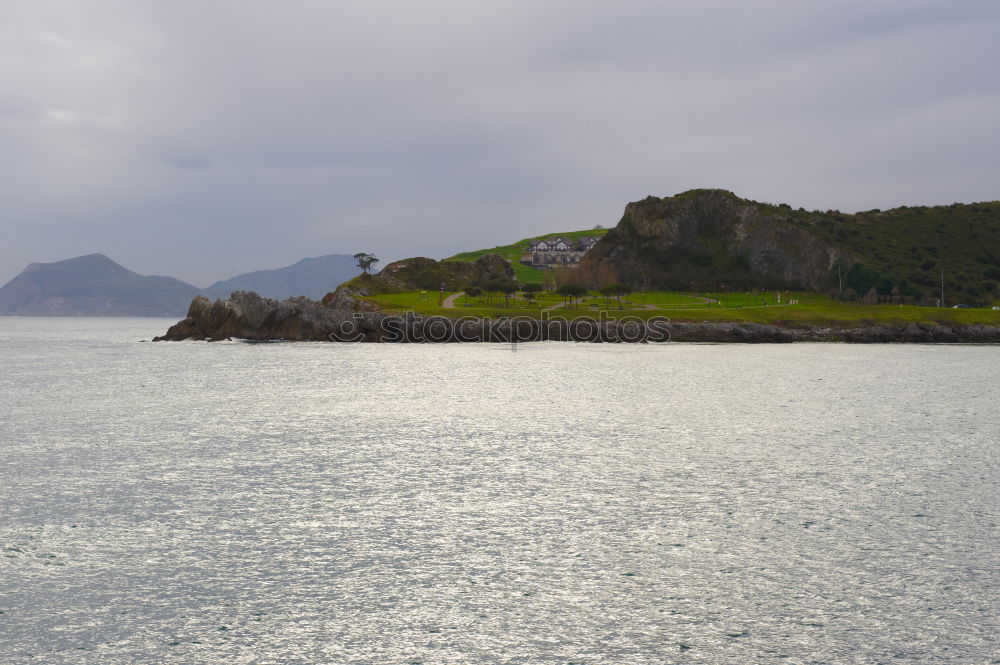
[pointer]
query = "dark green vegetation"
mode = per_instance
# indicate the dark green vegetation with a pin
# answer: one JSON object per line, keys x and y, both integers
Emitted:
{"x": 707, "y": 239}
{"x": 513, "y": 252}
{"x": 907, "y": 248}
{"x": 92, "y": 285}
{"x": 423, "y": 274}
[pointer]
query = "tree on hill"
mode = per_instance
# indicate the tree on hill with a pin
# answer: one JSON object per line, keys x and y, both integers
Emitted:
{"x": 571, "y": 292}
{"x": 490, "y": 287}
{"x": 365, "y": 261}
{"x": 616, "y": 290}
{"x": 472, "y": 292}
{"x": 507, "y": 288}
{"x": 530, "y": 290}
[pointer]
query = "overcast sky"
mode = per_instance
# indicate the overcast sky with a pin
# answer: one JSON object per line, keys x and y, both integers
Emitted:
{"x": 200, "y": 138}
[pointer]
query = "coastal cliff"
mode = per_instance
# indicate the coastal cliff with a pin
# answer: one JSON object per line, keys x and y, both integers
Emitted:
{"x": 703, "y": 239}
{"x": 713, "y": 236}
{"x": 248, "y": 316}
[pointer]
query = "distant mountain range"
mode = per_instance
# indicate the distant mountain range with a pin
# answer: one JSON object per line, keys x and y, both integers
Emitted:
{"x": 94, "y": 285}
{"x": 313, "y": 278}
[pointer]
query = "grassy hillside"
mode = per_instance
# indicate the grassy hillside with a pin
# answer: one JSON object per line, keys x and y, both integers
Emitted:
{"x": 902, "y": 251}
{"x": 907, "y": 247}
{"x": 427, "y": 274}
{"x": 514, "y": 251}
{"x": 715, "y": 237}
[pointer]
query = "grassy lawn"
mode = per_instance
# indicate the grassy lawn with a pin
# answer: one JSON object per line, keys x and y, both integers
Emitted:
{"x": 514, "y": 251}
{"x": 809, "y": 308}
{"x": 426, "y": 302}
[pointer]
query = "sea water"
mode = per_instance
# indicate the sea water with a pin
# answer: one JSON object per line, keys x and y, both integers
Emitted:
{"x": 558, "y": 503}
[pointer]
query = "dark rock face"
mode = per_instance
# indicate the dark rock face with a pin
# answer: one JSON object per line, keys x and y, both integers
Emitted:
{"x": 346, "y": 298}
{"x": 246, "y": 315}
{"x": 912, "y": 333}
{"x": 707, "y": 234}
{"x": 421, "y": 273}
{"x": 752, "y": 333}
{"x": 920, "y": 333}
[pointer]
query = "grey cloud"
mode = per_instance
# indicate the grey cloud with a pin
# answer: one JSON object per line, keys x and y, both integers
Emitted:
{"x": 194, "y": 139}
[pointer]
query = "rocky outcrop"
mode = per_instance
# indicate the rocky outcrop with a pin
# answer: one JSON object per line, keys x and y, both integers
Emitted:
{"x": 421, "y": 273}
{"x": 712, "y": 237}
{"x": 248, "y": 316}
{"x": 347, "y": 298}
{"x": 893, "y": 333}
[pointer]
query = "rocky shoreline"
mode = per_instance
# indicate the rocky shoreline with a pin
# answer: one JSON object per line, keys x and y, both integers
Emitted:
{"x": 248, "y": 316}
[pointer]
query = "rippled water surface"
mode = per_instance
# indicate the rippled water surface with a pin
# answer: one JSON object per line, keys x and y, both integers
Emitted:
{"x": 564, "y": 503}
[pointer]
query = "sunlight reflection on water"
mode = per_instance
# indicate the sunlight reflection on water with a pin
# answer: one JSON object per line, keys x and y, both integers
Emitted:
{"x": 307, "y": 503}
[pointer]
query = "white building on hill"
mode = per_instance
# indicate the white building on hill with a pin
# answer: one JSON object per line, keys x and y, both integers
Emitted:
{"x": 556, "y": 251}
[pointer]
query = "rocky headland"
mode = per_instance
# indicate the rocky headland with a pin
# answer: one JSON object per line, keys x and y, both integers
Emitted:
{"x": 248, "y": 316}
{"x": 706, "y": 238}
{"x": 713, "y": 236}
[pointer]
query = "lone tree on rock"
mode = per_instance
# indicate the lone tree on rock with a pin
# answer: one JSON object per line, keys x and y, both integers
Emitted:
{"x": 365, "y": 261}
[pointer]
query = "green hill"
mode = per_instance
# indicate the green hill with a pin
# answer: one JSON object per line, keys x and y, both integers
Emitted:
{"x": 423, "y": 274}
{"x": 711, "y": 237}
{"x": 907, "y": 248}
{"x": 514, "y": 251}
